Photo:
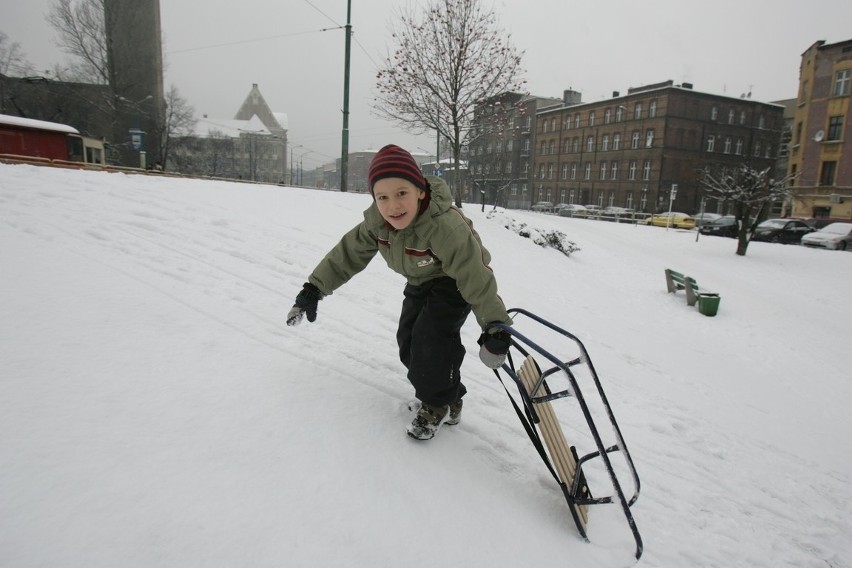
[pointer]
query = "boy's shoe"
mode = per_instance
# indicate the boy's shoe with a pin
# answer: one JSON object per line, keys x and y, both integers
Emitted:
{"x": 427, "y": 421}
{"x": 454, "y": 416}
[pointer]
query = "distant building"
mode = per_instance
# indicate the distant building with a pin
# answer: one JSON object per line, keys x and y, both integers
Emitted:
{"x": 501, "y": 148}
{"x": 821, "y": 145}
{"x": 632, "y": 150}
{"x": 251, "y": 146}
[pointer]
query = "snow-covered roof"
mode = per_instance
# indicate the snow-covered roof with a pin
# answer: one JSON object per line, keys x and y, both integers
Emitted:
{"x": 230, "y": 127}
{"x": 39, "y": 124}
{"x": 281, "y": 118}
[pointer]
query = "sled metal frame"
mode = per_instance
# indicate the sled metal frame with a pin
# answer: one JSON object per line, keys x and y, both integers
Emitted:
{"x": 575, "y": 491}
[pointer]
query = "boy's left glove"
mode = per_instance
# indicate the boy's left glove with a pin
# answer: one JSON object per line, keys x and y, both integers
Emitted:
{"x": 306, "y": 304}
{"x": 494, "y": 345}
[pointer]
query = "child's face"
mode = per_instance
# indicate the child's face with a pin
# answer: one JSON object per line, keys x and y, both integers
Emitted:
{"x": 398, "y": 201}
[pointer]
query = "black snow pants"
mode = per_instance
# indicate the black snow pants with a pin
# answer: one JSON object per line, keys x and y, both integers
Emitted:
{"x": 429, "y": 340}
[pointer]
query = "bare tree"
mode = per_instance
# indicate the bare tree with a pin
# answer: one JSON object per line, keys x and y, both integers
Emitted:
{"x": 12, "y": 59}
{"x": 178, "y": 120}
{"x": 747, "y": 190}
{"x": 82, "y": 34}
{"x": 450, "y": 55}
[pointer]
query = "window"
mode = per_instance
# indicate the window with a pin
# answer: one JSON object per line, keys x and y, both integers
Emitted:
{"x": 577, "y": 120}
{"x": 605, "y": 142}
{"x": 761, "y": 122}
{"x": 603, "y": 170}
{"x": 541, "y": 172}
{"x": 757, "y": 148}
{"x": 588, "y": 171}
{"x": 549, "y": 171}
{"x": 649, "y": 138}
{"x": 574, "y": 170}
{"x": 646, "y": 170}
{"x": 526, "y": 168}
{"x": 553, "y": 124}
{"x": 797, "y": 139}
{"x": 552, "y": 146}
{"x": 616, "y": 141}
{"x": 739, "y": 149}
{"x": 576, "y": 147}
{"x": 637, "y": 111}
{"x": 607, "y": 116}
{"x": 768, "y": 153}
{"x": 727, "y": 149}
{"x": 544, "y": 127}
{"x": 592, "y": 118}
{"x": 634, "y": 142}
{"x": 590, "y": 143}
{"x": 564, "y": 171}
{"x": 631, "y": 172}
{"x": 613, "y": 172}
{"x": 619, "y": 113}
{"x": 835, "y": 128}
{"x": 508, "y": 167}
{"x": 652, "y": 109}
{"x": 714, "y": 113}
{"x": 731, "y": 115}
{"x": 544, "y": 148}
{"x": 826, "y": 176}
{"x": 742, "y": 117}
{"x": 842, "y": 80}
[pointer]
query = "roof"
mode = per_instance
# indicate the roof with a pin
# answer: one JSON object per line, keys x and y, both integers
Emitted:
{"x": 37, "y": 124}
{"x": 232, "y": 128}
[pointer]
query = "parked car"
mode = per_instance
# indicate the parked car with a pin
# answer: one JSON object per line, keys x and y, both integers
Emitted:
{"x": 617, "y": 212}
{"x": 788, "y": 231}
{"x": 722, "y": 227}
{"x": 593, "y": 210}
{"x": 837, "y": 236}
{"x": 702, "y": 219}
{"x": 543, "y": 206}
{"x": 572, "y": 210}
{"x": 671, "y": 219}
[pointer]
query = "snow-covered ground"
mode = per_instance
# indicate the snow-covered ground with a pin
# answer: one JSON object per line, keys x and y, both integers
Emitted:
{"x": 156, "y": 411}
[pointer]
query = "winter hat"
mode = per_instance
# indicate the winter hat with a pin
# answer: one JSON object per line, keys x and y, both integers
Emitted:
{"x": 393, "y": 161}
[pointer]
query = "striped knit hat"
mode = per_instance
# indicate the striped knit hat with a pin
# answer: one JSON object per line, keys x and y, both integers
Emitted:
{"x": 394, "y": 162}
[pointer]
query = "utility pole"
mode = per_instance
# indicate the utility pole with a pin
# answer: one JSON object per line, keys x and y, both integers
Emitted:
{"x": 344, "y": 153}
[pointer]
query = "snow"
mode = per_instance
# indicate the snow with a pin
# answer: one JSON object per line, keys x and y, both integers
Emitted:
{"x": 156, "y": 411}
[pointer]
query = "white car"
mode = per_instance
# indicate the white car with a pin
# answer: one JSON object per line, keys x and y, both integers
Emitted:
{"x": 837, "y": 236}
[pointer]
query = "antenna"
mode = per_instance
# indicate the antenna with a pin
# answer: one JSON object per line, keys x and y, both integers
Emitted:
{"x": 819, "y": 136}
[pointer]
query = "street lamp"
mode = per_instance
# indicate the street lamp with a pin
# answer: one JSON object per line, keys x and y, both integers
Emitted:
{"x": 291, "y": 161}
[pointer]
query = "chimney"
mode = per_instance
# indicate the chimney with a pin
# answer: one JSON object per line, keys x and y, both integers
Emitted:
{"x": 571, "y": 97}
{"x": 686, "y": 85}
{"x": 615, "y": 94}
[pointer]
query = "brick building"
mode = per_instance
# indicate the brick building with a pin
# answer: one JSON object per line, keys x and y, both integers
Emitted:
{"x": 631, "y": 150}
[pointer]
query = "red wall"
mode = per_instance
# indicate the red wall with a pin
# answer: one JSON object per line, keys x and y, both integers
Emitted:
{"x": 25, "y": 142}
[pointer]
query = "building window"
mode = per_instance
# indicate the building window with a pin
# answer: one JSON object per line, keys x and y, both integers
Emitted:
{"x": 590, "y": 143}
{"x": 607, "y": 116}
{"x": 553, "y": 124}
{"x": 605, "y": 142}
{"x": 603, "y": 170}
{"x": 577, "y": 120}
{"x": 592, "y": 118}
{"x": 574, "y": 170}
{"x": 727, "y": 149}
{"x": 571, "y": 197}
{"x": 835, "y": 128}
{"x": 826, "y": 176}
{"x": 631, "y": 173}
{"x": 552, "y": 146}
{"x": 652, "y": 109}
{"x": 544, "y": 127}
{"x": 613, "y": 172}
{"x": 646, "y": 170}
{"x": 714, "y": 113}
{"x": 616, "y": 141}
{"x": 508, "y": 167}
{"x": 739, "y": 149}
{"x": 619, "y": 113}
{"x": 544, "y": 148}
{"x": 634, "y": 142}
{"x": 588, "y": 171}
{"x": 768, "y": 151}
{"x": 757, "y": 148}
{"x": 564, "y": 171}
{"x": 576, "y": 144}
{"x": 761, "y": 122}
{"x": 731, "y": 115}
{"x": 637, "y": 111}
{"x": 649, "y": 138}
{"x": 742, "y": 117}
{"x": 549, "y": 171}
{"x": 842, "y": 80}
{"x": 526, "y": 168}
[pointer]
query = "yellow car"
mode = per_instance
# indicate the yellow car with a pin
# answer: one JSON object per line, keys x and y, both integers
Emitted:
{"x": 674, "y": 220}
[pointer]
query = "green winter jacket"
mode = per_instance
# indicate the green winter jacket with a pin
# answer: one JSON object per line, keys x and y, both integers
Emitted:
{"x": 440, "y": 242}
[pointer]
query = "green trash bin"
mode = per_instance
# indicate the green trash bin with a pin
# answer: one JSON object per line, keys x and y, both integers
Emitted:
{"x": 708, "y": 304}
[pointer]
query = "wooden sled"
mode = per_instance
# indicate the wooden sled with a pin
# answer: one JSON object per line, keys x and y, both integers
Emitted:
{"x": 538, "y": 390}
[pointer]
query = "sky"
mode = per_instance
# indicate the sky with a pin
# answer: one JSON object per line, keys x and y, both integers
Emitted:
{"x": 155, "y": 410}
{"x": 216, "y": 50}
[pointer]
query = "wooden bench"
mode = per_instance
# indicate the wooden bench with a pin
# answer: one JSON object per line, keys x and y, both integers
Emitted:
{"x": 676, "y": 281}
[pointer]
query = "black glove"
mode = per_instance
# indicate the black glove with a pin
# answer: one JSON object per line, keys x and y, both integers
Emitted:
{"x": 495, "y": 345}
{"x": 306, "y": 304}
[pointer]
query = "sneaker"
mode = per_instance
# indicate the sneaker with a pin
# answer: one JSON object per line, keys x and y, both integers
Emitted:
{"x": 427, "y": 421}
{"x": 454, "y": 416}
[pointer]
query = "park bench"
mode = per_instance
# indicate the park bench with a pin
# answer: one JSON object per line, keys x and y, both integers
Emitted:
{"x": 676, "y": 281}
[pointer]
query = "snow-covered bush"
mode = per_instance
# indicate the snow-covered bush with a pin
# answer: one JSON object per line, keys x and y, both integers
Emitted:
{"x": 546, "y": 238}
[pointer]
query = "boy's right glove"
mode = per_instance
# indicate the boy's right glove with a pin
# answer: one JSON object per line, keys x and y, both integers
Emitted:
{"x": 494, "y": 345}
{"x": 306, "y": 304}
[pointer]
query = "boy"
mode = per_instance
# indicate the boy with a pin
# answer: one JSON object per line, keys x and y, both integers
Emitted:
{"x": 413, "y": 224}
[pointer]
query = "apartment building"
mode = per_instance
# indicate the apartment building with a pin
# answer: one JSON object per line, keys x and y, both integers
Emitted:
{"x": 819, "y": 156}
{"x": 632, "y": 150}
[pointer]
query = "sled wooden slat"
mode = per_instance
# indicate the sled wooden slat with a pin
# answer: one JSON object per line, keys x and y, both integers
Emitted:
{"x": 554, "y": 438}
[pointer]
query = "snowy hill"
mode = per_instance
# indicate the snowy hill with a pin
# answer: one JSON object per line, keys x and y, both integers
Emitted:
{"x": 156, "y": 411}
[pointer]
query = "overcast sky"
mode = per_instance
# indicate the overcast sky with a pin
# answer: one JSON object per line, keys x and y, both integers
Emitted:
{"x": 215, "y": 50}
